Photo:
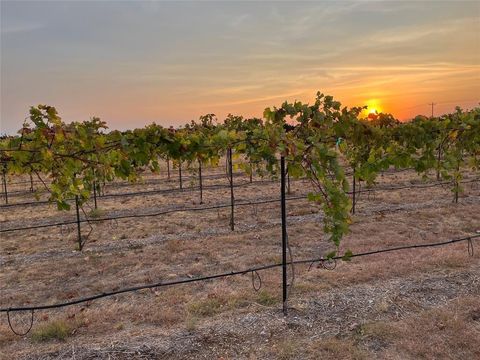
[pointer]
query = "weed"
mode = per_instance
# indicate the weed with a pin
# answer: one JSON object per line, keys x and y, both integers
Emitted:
{"x": 96, "y": 213}
{"x": 266, "y": 299}
{"x": 191, "y": 323}
{"x": 53, "y": 330}
{"x": 207, "y": 307}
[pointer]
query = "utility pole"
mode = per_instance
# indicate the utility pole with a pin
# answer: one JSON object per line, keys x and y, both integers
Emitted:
{"x": 432, "y": 104}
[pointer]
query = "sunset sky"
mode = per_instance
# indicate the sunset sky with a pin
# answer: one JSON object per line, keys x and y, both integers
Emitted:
{"x": 132, "y": 63}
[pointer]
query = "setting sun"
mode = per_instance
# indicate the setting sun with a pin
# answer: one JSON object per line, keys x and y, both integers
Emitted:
{"x": 373, "y": 107}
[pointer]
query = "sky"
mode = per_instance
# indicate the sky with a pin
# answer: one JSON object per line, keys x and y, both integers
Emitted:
{"x": 132, "y": 63}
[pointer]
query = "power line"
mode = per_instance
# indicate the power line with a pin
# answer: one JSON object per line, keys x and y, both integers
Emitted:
{"x": 441, "y": 103}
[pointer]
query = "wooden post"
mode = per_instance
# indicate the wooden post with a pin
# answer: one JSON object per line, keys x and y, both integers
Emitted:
{"x": 168, "y": 168}
{"x": 180, "y": 174}
{"x": 251, "y": 172}
{"x": 31, "y": 183}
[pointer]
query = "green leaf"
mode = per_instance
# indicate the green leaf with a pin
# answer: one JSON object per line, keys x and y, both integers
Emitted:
{"x": 347, "y": 256}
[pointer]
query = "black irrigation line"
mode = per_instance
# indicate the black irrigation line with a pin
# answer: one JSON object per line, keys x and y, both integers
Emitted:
{"x": 413, "y": 186}
{"x": 148, "y": 182}
{"x": 15, "y": 193}
{"x": 145, "y": 192}
{"x": 25, "y": 182}
{"x": 218, "y": 186}
{"x": 219, "y": 206}
{"x": 155, "y": 181}
{"x": 160, "y": 180}
{"x": 398, "y": 248}
{"x": 163, "y": 212}
{"x": 114, "y": 185}
{"x": 233, "y": 273}
{"x": 177, "y": 190}
{"x": 29, "y": 203}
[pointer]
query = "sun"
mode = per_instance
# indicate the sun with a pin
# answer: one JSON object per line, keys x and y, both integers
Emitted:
{"x": 373, "y": 107}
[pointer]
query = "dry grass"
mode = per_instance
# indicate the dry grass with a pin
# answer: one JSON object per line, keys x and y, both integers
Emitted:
{"x": 335, "y": 348}
{"x": 184, "y": 245}
{"x": 450, "y": 332}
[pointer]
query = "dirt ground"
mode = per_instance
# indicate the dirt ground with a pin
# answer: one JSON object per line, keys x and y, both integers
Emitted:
{"x": 421, "y": 303}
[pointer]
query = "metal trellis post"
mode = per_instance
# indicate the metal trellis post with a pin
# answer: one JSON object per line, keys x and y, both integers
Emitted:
{"x": 354, "y": 194}
{"x": 4, "y": 177}
{"x": 95, "y": 194}
{"x": 200, "y": 180}
{"x": 79, "y": 232}
{"x": 284, "y": 234}
{"x": 232, "y": 198}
